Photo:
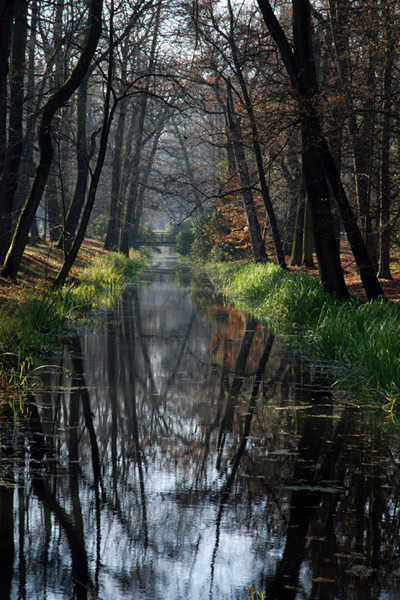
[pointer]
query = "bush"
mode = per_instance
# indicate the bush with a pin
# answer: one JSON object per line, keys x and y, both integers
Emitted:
{"x": 184, "y": 242}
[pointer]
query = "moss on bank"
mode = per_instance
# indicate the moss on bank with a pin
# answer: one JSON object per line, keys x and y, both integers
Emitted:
{"x": 358, "y": 342}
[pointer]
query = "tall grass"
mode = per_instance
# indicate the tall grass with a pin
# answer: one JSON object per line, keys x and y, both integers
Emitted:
{"x": 359, "y": 343}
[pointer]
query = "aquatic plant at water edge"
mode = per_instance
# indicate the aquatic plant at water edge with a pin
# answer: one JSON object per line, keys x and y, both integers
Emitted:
{"x": 358, "y": 342}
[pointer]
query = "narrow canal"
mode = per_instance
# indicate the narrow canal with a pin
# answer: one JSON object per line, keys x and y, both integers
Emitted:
{"x": 180, "y": 451}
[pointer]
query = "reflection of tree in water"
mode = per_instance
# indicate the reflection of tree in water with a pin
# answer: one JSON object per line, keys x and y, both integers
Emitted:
{"x": 181, "y": 444}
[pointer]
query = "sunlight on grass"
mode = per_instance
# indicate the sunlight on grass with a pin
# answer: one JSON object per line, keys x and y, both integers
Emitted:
{"x": 358, "y": 342}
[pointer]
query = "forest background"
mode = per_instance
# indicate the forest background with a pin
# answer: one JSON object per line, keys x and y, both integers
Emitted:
{"x": 250, "y": 129}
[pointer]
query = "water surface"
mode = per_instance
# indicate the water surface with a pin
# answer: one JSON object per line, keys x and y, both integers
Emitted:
{"x": 179, "y": 450}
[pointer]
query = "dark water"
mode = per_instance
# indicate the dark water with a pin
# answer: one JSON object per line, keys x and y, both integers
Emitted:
{"x": 180, "y": 451}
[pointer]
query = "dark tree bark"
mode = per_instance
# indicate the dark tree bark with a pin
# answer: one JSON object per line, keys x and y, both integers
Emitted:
{"x": 7, "y": 8}
{"x": 82, "y": 158}
{"x": 54, "y": 102}
{"x": 112, "y": 237}
{"x": 385, "y": 229}
{"x": 8, "y": 181}
{"x": 107, "y": 120}
{"x": 300, "y": 66}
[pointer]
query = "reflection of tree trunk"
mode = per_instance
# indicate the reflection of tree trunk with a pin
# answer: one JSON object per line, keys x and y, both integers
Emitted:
{"x": 80, "y": 568}
{"x": 240, "y": 451}
{"x": 74, "y": 534}
{"x": 77, "y": 365}
{"x": 6, "y": 539}
{"x": 237, "y": 381}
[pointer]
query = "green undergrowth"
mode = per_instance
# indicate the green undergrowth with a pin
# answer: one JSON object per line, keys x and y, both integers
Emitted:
{"x": 103, "y": 280}
{"x": 33, "y": 329}
{"x": 358, "y": 342}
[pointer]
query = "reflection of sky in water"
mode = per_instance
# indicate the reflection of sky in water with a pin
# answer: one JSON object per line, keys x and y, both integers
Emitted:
{"x": 169, "y": 522}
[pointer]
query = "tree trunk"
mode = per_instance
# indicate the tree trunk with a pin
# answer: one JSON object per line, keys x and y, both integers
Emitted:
{"x": 107, "y": 120}
{"x": 256, "y": 238}
{"x": 301, "y": 69}
{"x": 308, "y": 238}
{"x": 385, "y": 229}
{"x": 82, "y": 158}
{"x": 324, "y": 234}
{"x": 6, "y": 26}
{"x": 9, "y": 176}
{"x": 54, "y": 102}
{"x": 296, "y": 259}
{"x": 130, "y": 208}
{"x": 111, "y": 241}
{"x": 256, "y": 146}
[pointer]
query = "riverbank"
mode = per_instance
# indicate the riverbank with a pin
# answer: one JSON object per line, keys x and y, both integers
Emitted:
{"x": 358, "y": 342}
{"x": 34, "y": 318}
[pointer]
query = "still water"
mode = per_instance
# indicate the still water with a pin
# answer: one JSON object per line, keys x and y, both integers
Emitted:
{"x": 178, "y": 450}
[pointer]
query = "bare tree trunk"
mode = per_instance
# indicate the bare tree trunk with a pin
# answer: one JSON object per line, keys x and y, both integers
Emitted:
{"x": 82, "y": 158}
{"x": 301, "y": 70}
{"x": 111, "y": 241}
{"x": 9, "y": 176}
{"x": 256, "y": 145}
{"x": 257, "y": 242}
{"x": 107, "y": 120}
{"x": 385, "y": 229}
{"x": 54, "y": 102}
{"x": 6, "y": 25}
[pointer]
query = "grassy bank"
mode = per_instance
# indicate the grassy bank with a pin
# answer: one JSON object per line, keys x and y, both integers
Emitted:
{"x": 34, "y": 318}
{"x": 358, "y": 342}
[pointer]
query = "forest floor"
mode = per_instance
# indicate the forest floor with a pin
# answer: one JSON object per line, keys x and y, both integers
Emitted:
{"x": 390, "y": 287}
{"x": 40, "y": 266}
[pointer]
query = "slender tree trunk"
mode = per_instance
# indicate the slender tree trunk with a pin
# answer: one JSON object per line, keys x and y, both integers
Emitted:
{"x": 107, "y": 120}
{"x": 7, "y": 8}
{"x": 256, "y": 146}
{"x": 9, "y": 176}
{"x": 385, "y": 229}
{"x": 308, "y": 238}
{"x": 54, "y": 102}
{"x": 142, "y": 183}
{"x": 296, "y": 259}
{"x": 111, "y": 241}
{"x": 82, "y": 157}
{"x": 256, "y": 238}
